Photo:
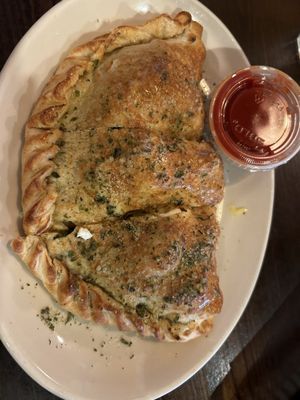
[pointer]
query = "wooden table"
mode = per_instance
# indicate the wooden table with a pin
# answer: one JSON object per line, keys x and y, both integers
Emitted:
{"x": 261, "y": 358}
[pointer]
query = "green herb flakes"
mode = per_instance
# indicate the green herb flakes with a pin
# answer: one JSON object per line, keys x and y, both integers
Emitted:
{"x": 54, "y": 174}
{"x": 141, "y": 310}
{"x": 126, "y": 342}
{"x": 47, "y": 318}
{"x": 110, "y": 209}
{"x": 164, "y": 76}
{"x": 69, "y": 318}
{"x": 117, "y": 152}
{"x": 60, "y": 143}
{"x": 95, "y": 63}
{"x": 179, "y": 173}
{"x": 100, "y": 199}
{"x": 178, "y": 202}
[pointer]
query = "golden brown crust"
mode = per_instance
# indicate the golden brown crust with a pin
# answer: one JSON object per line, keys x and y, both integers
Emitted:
{"x": 38, "y": 199}
{"x": 52, "y": 261}
{"x": 90, "y": 302}
{"x": 181, "y": 66}
{"x": 54, "y": 99}
{"x": 40, "y": 148}
{"x": 67, "y": 289}
{"x": 134, "y": 170}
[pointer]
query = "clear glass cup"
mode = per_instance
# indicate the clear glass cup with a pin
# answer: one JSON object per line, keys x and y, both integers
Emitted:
{"x": 254, "y": 117}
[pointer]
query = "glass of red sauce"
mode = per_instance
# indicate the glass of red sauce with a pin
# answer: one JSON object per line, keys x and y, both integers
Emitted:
{"x": 255, "y": 117}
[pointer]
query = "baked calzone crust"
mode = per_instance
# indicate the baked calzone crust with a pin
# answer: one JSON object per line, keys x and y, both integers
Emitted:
{"x": 119, "y": 189}
{"x": 121, "y": 170}
{"x": 135, "y": 77}
{"x": 151, "y": 273}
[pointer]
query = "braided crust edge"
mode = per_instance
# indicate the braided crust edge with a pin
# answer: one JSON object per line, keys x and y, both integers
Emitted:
{"x": 92, "y": 303}
{"x": 53, "y": 101}
{"x": 41, "y": 134}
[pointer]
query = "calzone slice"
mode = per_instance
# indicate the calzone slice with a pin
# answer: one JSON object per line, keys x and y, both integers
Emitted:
{"x": 155, "y": 274}
{"x": 102, "y": 172}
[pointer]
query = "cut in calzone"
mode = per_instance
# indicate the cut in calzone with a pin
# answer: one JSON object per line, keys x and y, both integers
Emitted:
{"x": 119, "y": 189}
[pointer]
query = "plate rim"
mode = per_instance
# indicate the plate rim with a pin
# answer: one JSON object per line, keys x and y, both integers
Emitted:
{"x": 40, "y": 376}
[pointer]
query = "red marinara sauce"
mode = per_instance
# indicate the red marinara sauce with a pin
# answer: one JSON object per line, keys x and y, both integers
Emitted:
{"x": 255, "y": 117}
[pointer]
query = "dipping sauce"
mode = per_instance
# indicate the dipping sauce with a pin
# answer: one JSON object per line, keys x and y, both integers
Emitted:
{"x": 254, "y": 117}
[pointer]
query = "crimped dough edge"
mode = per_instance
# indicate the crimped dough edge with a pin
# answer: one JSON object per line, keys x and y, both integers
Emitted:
{"x": 41, "y": 134}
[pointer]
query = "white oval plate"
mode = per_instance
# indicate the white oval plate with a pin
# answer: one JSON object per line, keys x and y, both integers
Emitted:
{"x": 87, "y": 361}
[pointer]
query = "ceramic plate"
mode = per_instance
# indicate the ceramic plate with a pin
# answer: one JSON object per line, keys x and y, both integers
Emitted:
{"x": 83, "y": 361}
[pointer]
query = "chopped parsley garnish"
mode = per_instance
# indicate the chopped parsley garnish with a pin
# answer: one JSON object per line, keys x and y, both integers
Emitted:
{"x": 100, "y": 199}
{"x": 71, "y": 255}
{"x": 130, "y": 227}
{"x": 47, "y": 318}
{"x": 113, "y": 128}
{"x": 126, "y": 342}
{"x": 70, "y": 316}
{"x": 172, "y": 147}
{"x": 95, "y": 63}
{"x": 161, "y": 175}
{"x": 90, "y": 175}
{"x": 176, "y": 318}
{"x": 110, "y": 209}
{"x": 141, "y": 310}
{"x": 178, "y": 202}
{"x": 117, "y": 152}
{"x": 178, "y": 123}
{"x": 164, "y": 76}
{"x": 99, "y": 160}
{"x": 60, "y": 142}
{"x": 161, "y": 148}
{"x": 179, "y": 173}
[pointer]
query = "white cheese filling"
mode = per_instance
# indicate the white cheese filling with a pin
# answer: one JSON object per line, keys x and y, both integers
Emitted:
{"x": 84, "y": 233}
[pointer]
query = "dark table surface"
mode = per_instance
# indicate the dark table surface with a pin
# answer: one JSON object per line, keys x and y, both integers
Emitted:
{"x": 261, "y": 357}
